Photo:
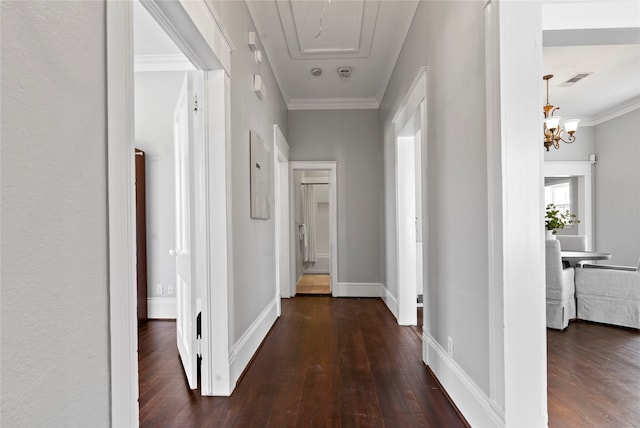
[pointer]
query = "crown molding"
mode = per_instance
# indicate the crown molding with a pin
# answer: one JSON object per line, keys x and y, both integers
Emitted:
{"x": 333, "y": 104}
{"x": 174, "y": 62}
{"x": 618, "y": 111}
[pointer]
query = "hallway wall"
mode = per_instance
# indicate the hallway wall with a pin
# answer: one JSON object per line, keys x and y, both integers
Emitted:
{"x": 253, "y": 288}
{"x": 448, "y": 38}
{"x": 55, "y": 319}
{"x": 349, "y": 137}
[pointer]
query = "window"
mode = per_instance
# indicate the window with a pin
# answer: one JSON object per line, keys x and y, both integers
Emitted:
{"x": 558, "y": 194}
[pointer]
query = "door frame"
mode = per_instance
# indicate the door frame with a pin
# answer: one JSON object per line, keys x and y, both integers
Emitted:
{"x": 332, "y": 167}
{"x": 211, "y": 53}
{"x": 281, "y": 214}
{"x": 414, "y": 105}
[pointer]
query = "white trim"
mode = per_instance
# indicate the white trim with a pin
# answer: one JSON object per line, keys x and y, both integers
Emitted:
{"x": 216, "y": 301}
{"x": 389, "y": 300}
{"x": 177, "y": 62}
{"x": 494, "y": 207}
{"x": 583, "y": 171}
{"x": 413, "y": 103}
{"x": 161, "y": 308}
{"x": 123, "y": 321}
{"x": 332, "y": 167}
{"x": 244, "y": 349}
{"x": 193, "y": 28}
{"x": 358, "y": 289}
{"x": 617, "y": 111}
{"x": 472, "y": 402}
{"x": 333, "y": 104}
{"x": 281, "y": 214}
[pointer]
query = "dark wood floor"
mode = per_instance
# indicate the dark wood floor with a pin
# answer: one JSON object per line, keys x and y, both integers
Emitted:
{"x": 326, "y": 363}
{"x": 345, "y": 362}
{"x": 593, "y": 376}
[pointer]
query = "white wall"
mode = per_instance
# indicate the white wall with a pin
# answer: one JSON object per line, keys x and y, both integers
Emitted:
{"x": 448, "y": 38}
{"x": 253, "y": 240}
{"x": 156, "y": 94}
{"x": 55, "y": 320}
{"x": 617, "y": 188}
{"x": 349, "y": 137}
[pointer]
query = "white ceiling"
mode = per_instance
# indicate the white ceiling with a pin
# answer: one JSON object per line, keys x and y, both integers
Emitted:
{"x": 613, "y": 85}
{"x": 365, "y": 35}
{"x": 592, "y": 37}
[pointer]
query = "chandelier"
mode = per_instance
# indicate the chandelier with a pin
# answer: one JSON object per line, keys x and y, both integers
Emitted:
{"x": 552, "y": 129}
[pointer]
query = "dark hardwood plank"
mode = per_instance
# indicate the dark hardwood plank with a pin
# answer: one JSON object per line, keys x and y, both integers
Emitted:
{"x": 326, "y": 363}
{"x": 593, "y": 376}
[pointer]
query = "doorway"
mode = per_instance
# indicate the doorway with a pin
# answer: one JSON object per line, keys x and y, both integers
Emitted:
{"x": 410, "y": 123}
{"x": 313, "y": 228}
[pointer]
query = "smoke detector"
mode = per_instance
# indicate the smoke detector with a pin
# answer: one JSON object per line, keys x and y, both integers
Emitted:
{"x": 344, "y": 71}
{"x": 316, "y": 71}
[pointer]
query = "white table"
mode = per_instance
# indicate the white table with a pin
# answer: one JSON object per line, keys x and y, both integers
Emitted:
{"x": 574, "y": 257}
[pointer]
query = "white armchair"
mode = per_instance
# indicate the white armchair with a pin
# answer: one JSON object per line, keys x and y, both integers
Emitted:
{"x": 573, "y": 242}
{"x": 609, "y": 294}
{"x": 561, "y": 302}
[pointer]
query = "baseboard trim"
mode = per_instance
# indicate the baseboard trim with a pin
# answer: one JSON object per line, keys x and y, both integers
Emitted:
{"x": 161, "y": 308}
{"x": 473, "y": 403}
{"x": 389, "y": 300}
{"x": 358, "y": 289}
{"x": 244, "y": 349}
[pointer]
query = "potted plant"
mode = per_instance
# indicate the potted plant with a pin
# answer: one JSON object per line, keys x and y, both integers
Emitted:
{"x": 555, "y": 219}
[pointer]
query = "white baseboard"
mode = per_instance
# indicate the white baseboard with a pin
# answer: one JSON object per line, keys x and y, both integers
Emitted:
{"x": 161, "y": 308}
{"x": 472, "y": 402}
{"x": 389, "y": 300}
{"x": 244, "y": 349}
{"x": 357, "y": 289}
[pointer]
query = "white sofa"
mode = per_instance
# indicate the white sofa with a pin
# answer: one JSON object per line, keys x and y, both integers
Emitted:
{"x": 608, "y": 294}
{"x": 561, "y": 302}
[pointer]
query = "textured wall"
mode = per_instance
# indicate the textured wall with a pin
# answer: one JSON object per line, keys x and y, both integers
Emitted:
{"x": 55, "y": 328}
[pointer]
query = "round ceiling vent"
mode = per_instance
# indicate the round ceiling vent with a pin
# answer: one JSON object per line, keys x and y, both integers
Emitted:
{"x": 316, "y": 71}
{"x": 344, "y": 71}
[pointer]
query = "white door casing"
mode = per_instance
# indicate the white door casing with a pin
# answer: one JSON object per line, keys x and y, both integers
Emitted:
{"x": 183, "y": 139}
{"x": 332, "y": 167}
{"x": 281, "y": 210}
{"x": 410, "y": 122}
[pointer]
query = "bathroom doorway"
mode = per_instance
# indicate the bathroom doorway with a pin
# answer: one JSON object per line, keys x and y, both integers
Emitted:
{"x": 314, "y": 227}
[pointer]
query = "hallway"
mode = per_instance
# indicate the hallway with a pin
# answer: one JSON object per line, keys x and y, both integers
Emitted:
{"x": 327, "y": 362}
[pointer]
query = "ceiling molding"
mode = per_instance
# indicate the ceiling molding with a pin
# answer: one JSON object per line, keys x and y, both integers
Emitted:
{"x": 174, "y": 62}
{"x": 393, "y": 58}
{"x": 618, "y": 111}
{"x": 333, "y": 104}
{"x": 301, "y": 47}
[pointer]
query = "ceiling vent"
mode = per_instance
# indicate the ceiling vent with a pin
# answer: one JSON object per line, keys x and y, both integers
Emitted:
{"x": 344, "y": 71}
{"x": 575, "y": 79}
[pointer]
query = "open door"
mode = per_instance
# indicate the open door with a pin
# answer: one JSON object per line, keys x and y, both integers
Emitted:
{"x": 186, "y": 326}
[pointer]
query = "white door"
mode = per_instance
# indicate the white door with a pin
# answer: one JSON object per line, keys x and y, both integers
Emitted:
{"x": 183, "y": 134}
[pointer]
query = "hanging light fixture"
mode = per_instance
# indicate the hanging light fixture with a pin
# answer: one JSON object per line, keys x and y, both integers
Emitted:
{"x": 552, "y": 129}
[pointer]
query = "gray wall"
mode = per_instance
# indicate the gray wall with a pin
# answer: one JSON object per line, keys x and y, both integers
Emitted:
{"x": 55, "y": 324}
{"x": 253, "y": 240}
{"x": 579, "y": 150}
{"x": 448, "y": 38}
{"x": 156, "y": 94}
{"x": 350, "y": 137}
{"x": 617, "y": 188}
